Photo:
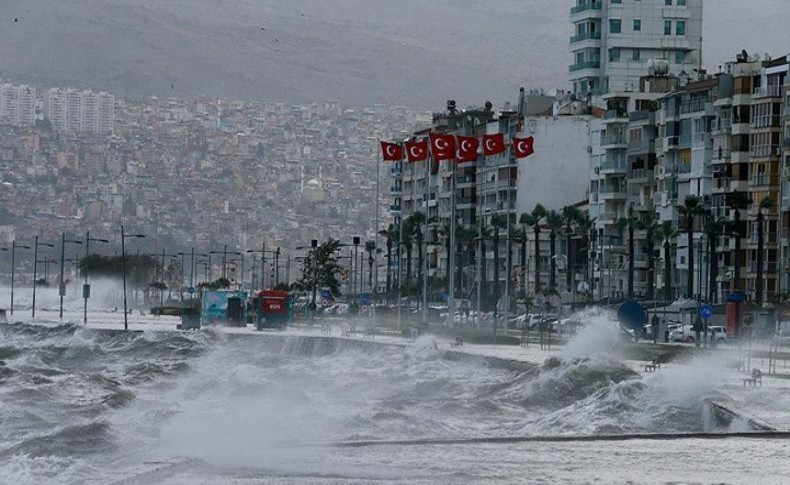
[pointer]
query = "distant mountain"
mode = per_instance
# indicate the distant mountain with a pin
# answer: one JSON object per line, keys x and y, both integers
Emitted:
{"x": 409, "y": 52}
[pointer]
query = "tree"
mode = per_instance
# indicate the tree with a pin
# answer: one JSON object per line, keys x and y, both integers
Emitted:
{"x": 714, "y": 227}
{"x": 571, "y": 215}
{"x": 414, "y": 228}
{"x": 586, "y": 227}
{"x": 689, "y": 210}
{"x": 370, "y": 248}
{"x": 766, "y": 204}
{"x": 498, "y": 222}
{"x": 391, "y": 235}
{"x": 738, "y": 201}
{"x": 533, "y": 219}
{"x": 321, "y": 269}
{"x": 649, "y": 224}
{"x": 520, "y": 235}
{"x": 667, "y": 232}
{"x": 629, "y": 223}
{"x": 554, "y": 222}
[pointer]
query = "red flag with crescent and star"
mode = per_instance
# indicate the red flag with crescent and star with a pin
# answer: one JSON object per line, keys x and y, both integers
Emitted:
{"x": 493, "y": 144}
{"x": 417, "y": 151}
{"x": 392, "y": 152}
{"x": 467, "y": 148}
{"x": 523, "y": 147}
{"x": 442, "y": 147}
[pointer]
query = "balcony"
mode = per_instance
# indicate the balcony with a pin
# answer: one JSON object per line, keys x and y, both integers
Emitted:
{"x": 613, "y": 166}
{"x": 395, "y": 190}
{"x": 464, "y": 180}
{"x": 763, "y": 151}
{"x": 770, "y": 91}
{"x": 395, "y": 208}
{"x": 693, "y": 105}
{"x": 769, "y": 267}
{"x": 585, "y": 7}
{"x": 585, "y": 36}
{"x": 615, "y": 116}
{"x": 640, "y": 146}
{"x": 640, "y": 174}
{"x": 763, "y": 180}
{"x": 611, "y": 192}
{"x": 584, "y": 65}
{"x": 614, "y": 141}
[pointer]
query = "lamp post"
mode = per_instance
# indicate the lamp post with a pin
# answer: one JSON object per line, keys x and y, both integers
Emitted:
{"x": 61, "y": 282}
{"x": 123, "y": 265}
{"x": 14, "y": 247}
{"x": 355, "y": 279}
{"x": 86, "y": 289}
{"x": 35, "y": 270}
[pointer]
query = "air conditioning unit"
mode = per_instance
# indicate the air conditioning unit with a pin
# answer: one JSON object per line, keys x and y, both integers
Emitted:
{"x": 597, "y": 170}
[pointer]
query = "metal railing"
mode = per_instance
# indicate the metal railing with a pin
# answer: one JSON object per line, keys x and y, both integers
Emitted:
{"x": 613, "y": 140}
{"x": 770, "y": 91}
{"x": 586, "y": 6}
{"x": 585, "y": 36}
{"x": 584, "y": 65}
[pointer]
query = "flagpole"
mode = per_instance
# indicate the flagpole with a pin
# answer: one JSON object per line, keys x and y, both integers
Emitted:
{"x": 508, "y": 260}
{"x": 376, "y": 242}
{"x": 428, "y": 160}
{"x": 451, "y": 262}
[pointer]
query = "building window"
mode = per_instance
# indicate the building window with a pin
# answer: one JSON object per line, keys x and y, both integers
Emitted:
{"x": 681, "y": 3}
{"x": 680, "y": 28}
{"x": 636, "y": 54}
{"x": 614, "y": 54}
{"x": 680, "y": 57}
{"x": 667, "y": 27}
{"x": 615, "y": 26}
{"x": 617, "y": 1}
{"x": 668, "y": 2}
{"x": 637, "y": 25}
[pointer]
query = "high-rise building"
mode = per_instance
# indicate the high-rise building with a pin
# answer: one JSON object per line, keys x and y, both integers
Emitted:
{"x": 80, "y": 111}
{"x": 17, "y": 104}
{"x": 614, "y": 40}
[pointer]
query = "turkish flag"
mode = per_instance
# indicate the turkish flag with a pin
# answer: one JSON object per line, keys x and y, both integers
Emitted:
{"x": 443, "y": 147}
{"x": 467, "y": 148}
{"x": 417, "y": 151}
{"x": 493, "y": 144}
{"x": 392, "y": 152}
{"x": 523, "y": 147}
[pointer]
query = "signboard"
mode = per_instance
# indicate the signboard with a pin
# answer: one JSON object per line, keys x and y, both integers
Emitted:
{"x": 191, "y": 290}
{"x": 632, "y": 315}
{"x": 364, "y": 299}
{"x": 706, "y": 311}
{"x": 86, "y": 291}
{"x": 215, "y": 304}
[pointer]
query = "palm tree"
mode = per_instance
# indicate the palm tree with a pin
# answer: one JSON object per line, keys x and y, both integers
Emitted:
{"x": 649, "y": 224}
{"x": 370, "y": 248}
{"x": 767, "y": 203}
{"x": 714, "y": 227}
{"x": 630, "y": 222}
{"x": 391, "y": 235}
{"x": 586, "y": 226}
{"x": 571, "y": 215}
{"x": 464, "y": 238}
{"x": 520, "y": 235}
{"x": 416, "y": 222}
{"x": 533, "y": 219}
{"x": 666, "y": 232}
{"x": 689, "y": 210}
{"x": 738, "y": 202}
{"x": 484, "y": 235}
{"x": 554, "y": 222}
{"x": 498, "y": 222}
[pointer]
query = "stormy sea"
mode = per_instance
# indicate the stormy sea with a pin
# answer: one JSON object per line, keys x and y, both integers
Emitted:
{"x": 85, "y": 405}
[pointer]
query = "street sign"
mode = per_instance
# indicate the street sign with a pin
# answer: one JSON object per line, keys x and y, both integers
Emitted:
{"x": 364, "y": 298}
{"x": 191, "y": 290}
{"x": 706, "y": 311}
{"x": 86, "y": 291}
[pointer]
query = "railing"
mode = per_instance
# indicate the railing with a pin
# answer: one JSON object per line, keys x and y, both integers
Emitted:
{"x": 722, "y": 154}
{"x": 585, "y": 36}
{"x": 585, "y": 65}
{"x": 608, "y": 216}
{"x": 641, "y": 145}
{"x": 639, "y": 115}
{"x": 693, "y": 105}
{"x": 640, "y": 173}
{"x": 723, "y": 183}
{"x": 768, "y": 267}
{"x": 396, "y": 190}
{"x": 613, "y": 140}
{"x": 585, "y": 6}
{"x": 465, "y": 179}
{"x": 614, "y": 165}
{"x": 770, "y": 91}
{"x": 395, "y": 208}
{"x": 614, "y": 114}
{"x": 766, "y": 121}
{"x": 765, "y": 151}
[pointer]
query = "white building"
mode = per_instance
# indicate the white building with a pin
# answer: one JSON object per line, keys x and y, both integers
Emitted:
{"x": 614, "y": 39}
{"x": 80, "y": 111}
{"x": 17, "y": 104}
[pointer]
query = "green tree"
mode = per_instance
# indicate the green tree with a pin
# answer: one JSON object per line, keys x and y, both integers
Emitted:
{"x": 554, "y": 223}
{"x": 370, "y": 248}
{"x": 571, "y": 215}
{"x": 630, "y": 223}
{"x": 714, "y": 227}
{"x": 391, "y": 236}
{"x": 321, "y": 269}
{"x": 666, "y": 232}
{"x": 766, "y": 204}
{"x": 690, "y": 209}
{"x": 533, "y": 219}
{"x": 738, "y": 201}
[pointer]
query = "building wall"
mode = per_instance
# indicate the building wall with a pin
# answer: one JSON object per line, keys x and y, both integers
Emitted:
{"x": 17, "y": 104}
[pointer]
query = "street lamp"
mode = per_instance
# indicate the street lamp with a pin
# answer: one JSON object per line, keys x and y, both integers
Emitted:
{"x": 35, "y": 270}
{"x": 123, "y": 265}
{"x": 14, "y": 246}
{"x": 86, "y": 288}
{"x": 62, "y": 284}
{"x": 264, "y": 252}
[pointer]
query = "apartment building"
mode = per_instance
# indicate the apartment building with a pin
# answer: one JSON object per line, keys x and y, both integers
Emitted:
{"x": 614, "y": 39}
{"x": 80, "y": 111}
{"x": 17, "y": 104}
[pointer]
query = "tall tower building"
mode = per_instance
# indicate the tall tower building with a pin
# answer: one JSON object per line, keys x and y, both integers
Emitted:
{"x": 614, "y": 39}
{"x": 17, "y": 104}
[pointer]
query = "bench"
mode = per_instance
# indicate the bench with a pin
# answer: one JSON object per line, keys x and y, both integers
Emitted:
{"x": 756, "y": 377}
{"x": 653, "y": 366}
{"x": 459, "y": 342}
